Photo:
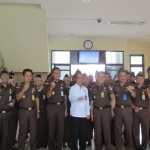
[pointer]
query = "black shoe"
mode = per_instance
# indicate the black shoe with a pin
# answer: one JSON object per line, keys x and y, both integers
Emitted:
{"x": 64, "y": 145}
{"x": 89, "y": 144}
{"x": 113, "y": 143}
{"x": 12, "y": 147}
{"x": 69, "y": 145}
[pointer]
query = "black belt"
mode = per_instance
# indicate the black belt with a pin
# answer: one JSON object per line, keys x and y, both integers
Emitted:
{"x": 30, "y": 108}
{"x": 100, "y": 108}
{"x": 122, "y": 106}
{"x": 4, "y": 111}
{"x": 56, "y": 103}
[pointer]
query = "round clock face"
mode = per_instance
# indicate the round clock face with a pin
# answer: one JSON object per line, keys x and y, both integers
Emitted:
{"x": 88, "y": 44}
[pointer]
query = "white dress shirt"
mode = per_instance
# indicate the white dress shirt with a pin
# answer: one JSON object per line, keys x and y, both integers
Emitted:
{"x": 79, "y": 108}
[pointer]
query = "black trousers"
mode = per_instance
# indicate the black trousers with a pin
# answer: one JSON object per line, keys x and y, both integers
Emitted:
{"x": 55, "y": 120}
{"x": 4, "y": 130}
{"x": 142, "y": 117}
{"x": 78, "y": 131}
{"x": 27, "y": 118}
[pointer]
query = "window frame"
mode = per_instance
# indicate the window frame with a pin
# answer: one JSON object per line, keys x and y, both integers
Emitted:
{"x": 137, "y": 65}
{"x": 59, "y": 51}
{"x": 121, "y": 64}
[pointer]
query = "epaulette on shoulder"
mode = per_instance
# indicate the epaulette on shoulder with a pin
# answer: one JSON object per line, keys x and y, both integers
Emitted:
{"x": 18, "y": 85}
{"x": 46, "y": 83}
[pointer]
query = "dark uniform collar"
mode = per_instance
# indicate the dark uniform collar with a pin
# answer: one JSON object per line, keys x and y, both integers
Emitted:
{"x": 126, "y": 84}
{"x": 100, "y": 85}
{"x": 8, "y": 85}
{"x": 55, "y": 81}
{"x": 143, "y": 86}
{"x": 31, "y": 83}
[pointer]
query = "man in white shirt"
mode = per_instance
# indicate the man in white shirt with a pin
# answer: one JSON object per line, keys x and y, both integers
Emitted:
{"x": 79, "y": 111}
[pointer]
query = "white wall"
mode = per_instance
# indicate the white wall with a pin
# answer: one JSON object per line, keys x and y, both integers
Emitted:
{"x": 23, "y": 37}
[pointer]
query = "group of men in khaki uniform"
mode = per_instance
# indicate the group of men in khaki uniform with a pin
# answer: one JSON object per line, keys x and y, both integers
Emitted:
{"x": 125, "y": 101}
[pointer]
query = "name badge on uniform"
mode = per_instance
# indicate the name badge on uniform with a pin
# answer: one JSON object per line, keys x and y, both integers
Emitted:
{"x": 124, "y": 97}
{"x": 85, "y": 97}
{"x": 102, "y": 94}
{"x": 44, "y": 97}
{"x": 10, "y": 96}
{"x": 143, "y": 96}
{"x": 33, "y": 96}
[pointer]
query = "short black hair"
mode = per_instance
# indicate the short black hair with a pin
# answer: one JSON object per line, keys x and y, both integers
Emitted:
{"x": 100, "y": 72}
{"x": 4, "y": 71}
{"x": 27, "y": 70}
{"x": 38, "y": 76}
{"x": 106, "y": 73}
{"x": 55, "y": 68}
{"x": 121, "y": 70}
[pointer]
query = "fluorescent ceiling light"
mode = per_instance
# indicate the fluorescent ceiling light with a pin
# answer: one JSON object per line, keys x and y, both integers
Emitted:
{"x": 126, "y": 23}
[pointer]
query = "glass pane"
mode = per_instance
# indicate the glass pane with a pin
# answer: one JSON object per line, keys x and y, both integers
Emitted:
{"x": 114, "y": 57}
{"x": 136, "y": 60}
{"x": 113, "y": 68}
{"x": 63, "y": 73}
{"x": 88, "y": 69}
{"x": 63, "y": 67}
{"x": 52, "y": 66}
{"x": 136, "y": 69}
{"x": 60, "y": 57}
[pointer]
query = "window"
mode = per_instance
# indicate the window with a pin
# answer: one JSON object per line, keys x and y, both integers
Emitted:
{"x": 136, "y": 63}
{"x": 114, "y": 57}
{"x": 114, "y": 61}
{"x": 113, "y": 69}
{"x": 60, "y": 57}
{"x": 68, "y": 62}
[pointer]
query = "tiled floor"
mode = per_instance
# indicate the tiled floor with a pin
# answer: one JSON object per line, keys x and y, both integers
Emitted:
{"x": 88, "y": 148}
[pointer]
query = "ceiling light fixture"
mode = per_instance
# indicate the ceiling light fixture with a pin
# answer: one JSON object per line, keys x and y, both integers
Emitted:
{"x": 86, "y": 1}
{"x": 126, "y": 23}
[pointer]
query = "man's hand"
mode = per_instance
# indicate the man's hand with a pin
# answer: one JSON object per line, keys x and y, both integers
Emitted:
{"x": 26, "y": 86}
{"x": 88, "y": 117}
{"x": 130, "y": 88}
{"x": 136, "y": 109}
{"x": 11, "y": 105}
{"x": 52, "y": 85}
{"x": 92, "y": 117}
{"x": 148, "y": 92}
{"x": 38, "y": 115}
{"x": 112, "y": 114}
{"x": 66, "y": 113}
{"x": 81, "y": 98}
